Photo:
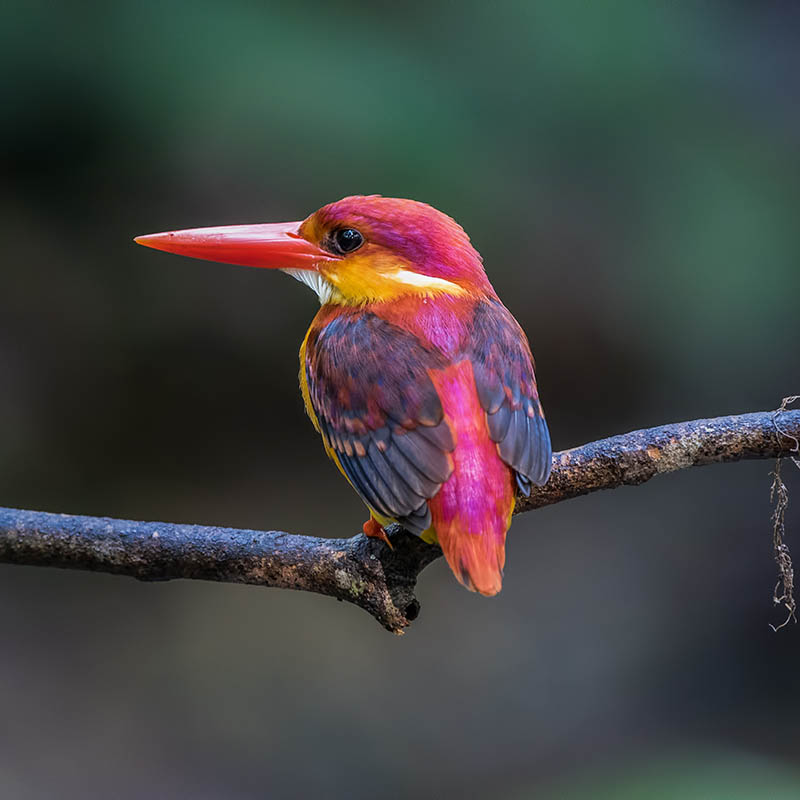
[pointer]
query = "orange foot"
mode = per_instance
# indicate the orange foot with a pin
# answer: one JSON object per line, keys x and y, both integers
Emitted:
{"x": 375, "y": 530}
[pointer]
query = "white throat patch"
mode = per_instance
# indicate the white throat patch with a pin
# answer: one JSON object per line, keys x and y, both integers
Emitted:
{"x": 322, "y": 287}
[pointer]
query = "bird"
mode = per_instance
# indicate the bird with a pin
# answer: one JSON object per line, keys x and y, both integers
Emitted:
{"x": 419, "y": 380}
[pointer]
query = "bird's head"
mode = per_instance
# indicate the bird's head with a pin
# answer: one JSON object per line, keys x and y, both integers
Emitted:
{"x": 358, "y": 250}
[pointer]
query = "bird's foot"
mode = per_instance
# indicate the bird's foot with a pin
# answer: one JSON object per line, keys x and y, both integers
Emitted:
{"x": 375, "y": 530}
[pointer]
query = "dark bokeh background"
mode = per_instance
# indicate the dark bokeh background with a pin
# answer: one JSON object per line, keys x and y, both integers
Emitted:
{"x": 630, "y": 173}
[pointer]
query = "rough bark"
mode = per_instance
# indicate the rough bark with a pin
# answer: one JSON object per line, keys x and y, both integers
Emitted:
{"x": 364, "y": 571}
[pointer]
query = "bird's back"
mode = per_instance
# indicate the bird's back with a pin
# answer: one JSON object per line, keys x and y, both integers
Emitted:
{"x": 471, "y": 513}
{"x": 430, "y": 411}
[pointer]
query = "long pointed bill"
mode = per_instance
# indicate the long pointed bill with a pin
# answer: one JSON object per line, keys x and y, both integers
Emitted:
{"x": 275, "y": 245}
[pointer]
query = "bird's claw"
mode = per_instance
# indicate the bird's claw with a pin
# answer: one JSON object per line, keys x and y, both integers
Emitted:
{"x": 375, "y": 530}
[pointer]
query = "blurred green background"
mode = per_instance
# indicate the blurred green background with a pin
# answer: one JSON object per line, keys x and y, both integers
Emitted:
{"x": 629, "y": 171}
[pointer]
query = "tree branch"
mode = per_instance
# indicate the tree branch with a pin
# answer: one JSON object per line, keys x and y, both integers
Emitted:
{"x": 360, "y": 570}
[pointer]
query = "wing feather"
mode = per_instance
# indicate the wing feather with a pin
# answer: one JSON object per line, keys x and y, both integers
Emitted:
{"x": 377, "y": 408}
{"x": 506, "y": 385}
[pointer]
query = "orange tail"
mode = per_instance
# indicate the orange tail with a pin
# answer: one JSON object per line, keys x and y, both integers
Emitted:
{"x": 476, "y": 558}
{"x": 471, "y": 513}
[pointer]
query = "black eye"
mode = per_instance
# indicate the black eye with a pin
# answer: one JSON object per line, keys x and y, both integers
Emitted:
{"x": 347, "y": 239}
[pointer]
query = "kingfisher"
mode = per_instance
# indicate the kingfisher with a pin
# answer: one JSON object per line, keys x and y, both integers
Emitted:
{"x": 418, "y": 379}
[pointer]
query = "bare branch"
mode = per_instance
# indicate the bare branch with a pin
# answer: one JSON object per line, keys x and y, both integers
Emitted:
{"x": 633, "y": 458}
{"x": 364, "y": 571}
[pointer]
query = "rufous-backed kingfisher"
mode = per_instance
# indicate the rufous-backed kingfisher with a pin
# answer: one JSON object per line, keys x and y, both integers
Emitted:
{"x": 415, "y": 374}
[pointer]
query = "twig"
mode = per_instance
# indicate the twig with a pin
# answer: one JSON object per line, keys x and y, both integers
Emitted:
{"x": 364, "y": 571}
{"x": 779, "y": 495}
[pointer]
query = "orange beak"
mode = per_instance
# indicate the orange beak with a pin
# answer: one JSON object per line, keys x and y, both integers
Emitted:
{"x": 277, "y": 245}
